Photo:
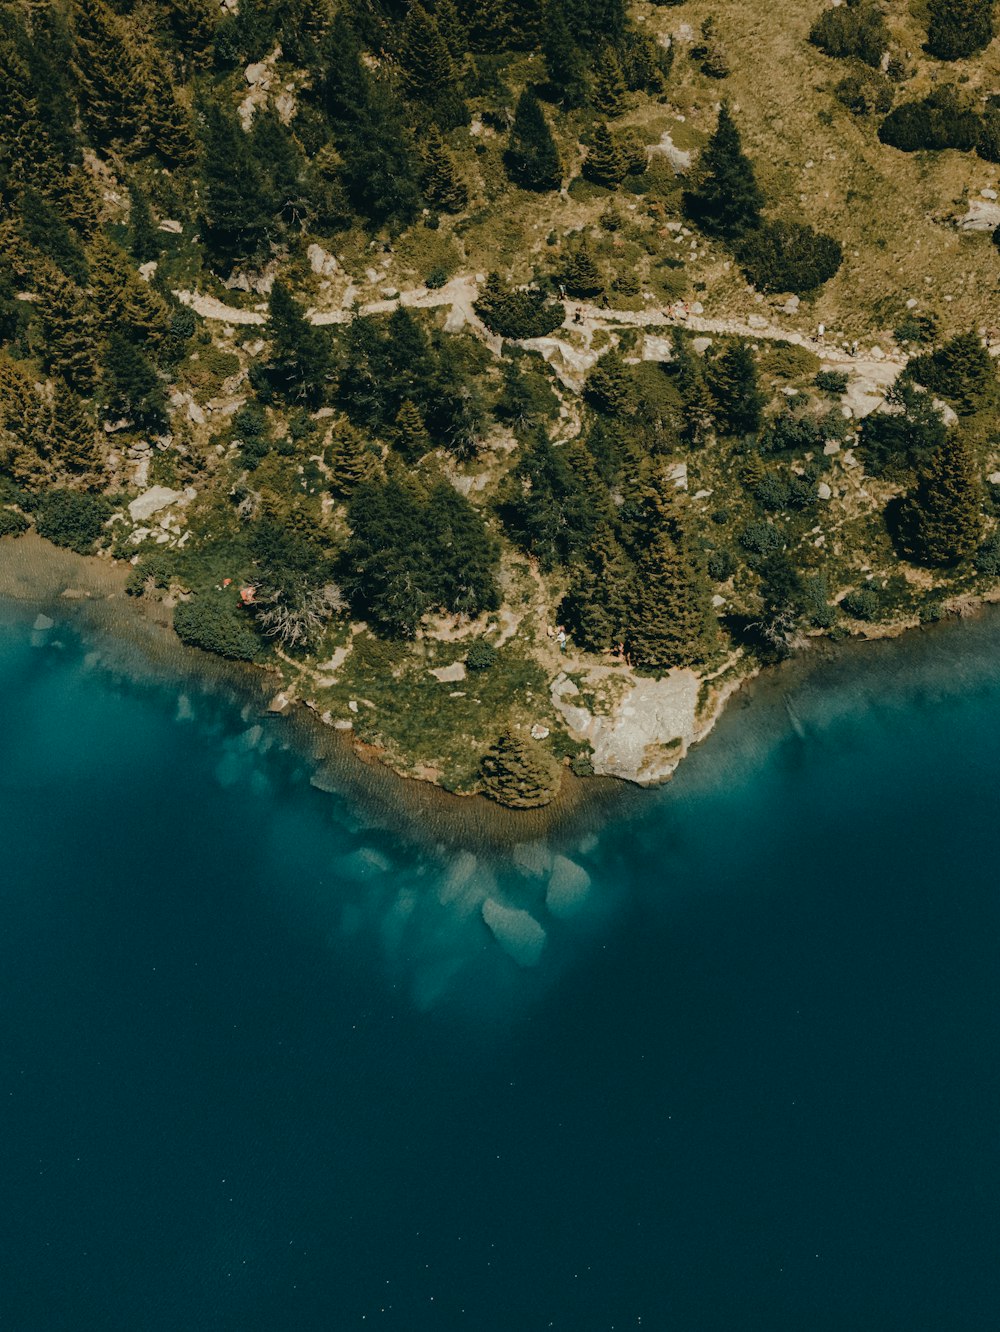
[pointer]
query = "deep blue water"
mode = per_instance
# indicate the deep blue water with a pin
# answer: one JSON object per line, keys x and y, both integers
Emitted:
{"x": 264, "y": 1067}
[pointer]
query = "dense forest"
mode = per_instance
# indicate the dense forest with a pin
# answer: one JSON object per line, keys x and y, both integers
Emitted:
{"x": 371, "y": 482}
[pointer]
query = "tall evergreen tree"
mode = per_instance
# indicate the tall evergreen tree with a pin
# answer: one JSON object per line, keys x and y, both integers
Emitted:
{"x": 108, "y": 75}
{"x": 961, "y": 371}
{"x": 581, "y": 275}
{"x": 67, "y": 326}
{"x": 409, "y": 433}
{"x": 168, "y": 125}
{"x": 565, "y": 63}
{"x": 443, "y": 186}
{"x": 236, "y": 225}
{"x": 605, "y": 163}
{"x": 609, "y": 83}
{"x": 429, "y": 74}
{"x": 349, "y": 458}
{"x": 453, "y": 31}
{"x": 532, "y": 159}
{"x": 74, "y": 432}
{"x": 519, "y": 773}
{"x": 959, "y": 28}
{"x": 144, "y": 240}
{"x": 944, "y": 514}
{"x": 301, "y": 360}
{"x": 735, "y": 387}
{"x": 132, "y": 388}
{"x": 727, "y": 200}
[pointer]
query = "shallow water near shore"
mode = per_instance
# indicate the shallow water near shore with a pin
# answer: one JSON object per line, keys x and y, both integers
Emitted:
{"x": 726, "y": 1059}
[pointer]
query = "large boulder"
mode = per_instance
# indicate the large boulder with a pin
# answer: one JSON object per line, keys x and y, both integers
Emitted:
{"x": 517, "y": 932}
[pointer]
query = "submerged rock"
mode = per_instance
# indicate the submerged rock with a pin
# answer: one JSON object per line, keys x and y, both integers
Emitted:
{"x": 517, "y": 932}
{"x": 568, "y": 887}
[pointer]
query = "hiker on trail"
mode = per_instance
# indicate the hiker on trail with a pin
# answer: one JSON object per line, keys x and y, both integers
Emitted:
{"x": 561, "y": 638}
{"x": 577, "y": 316}
{"x": 854, "y": 347}
{"x": 821, "y": 332}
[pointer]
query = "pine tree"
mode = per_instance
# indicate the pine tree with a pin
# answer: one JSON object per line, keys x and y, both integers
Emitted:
{"x": 728, "y": 200}
{"x": 962, "y": 371}
{"x": 235, "y": 223}
{"x": 454, "y": 33}
{"x": 735, "y": 388}
{"x": 194, "y": 23}
{"x": 124, "y": 301}
{"x": 349, "y": 459}
{"x": 132, "y": 388}
{"x": 697, "y": 411}
{"x": 518, "y": 773}
{"x": 300, "y": 363}
{"x": 959, "y": 28}
{"x": 601, "y": 591}
{"x": 145, "y": 241}
{"x": 73, "y": 432}
{"x": 109, "y": 80}
{"x": 610, "y": 385}
{"x": 944, "y": 514}
{"x": 670, "y": 618}
{"x": 565, "y": 62}
{"x": 609, "y": 83}
{"x": 168, "y": 126}
{"x": 605, "y": 164}
{"x": 443, "y": 187}
{"x": 428, "y": 70}
{"x": 67, "y": 326}
{"x": 409, "y": 434}
{"x": 532, "y": 159}
{"x": 581, "y": 275}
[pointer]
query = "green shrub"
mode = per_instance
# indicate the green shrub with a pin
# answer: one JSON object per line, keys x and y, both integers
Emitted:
{"x": 831, "y": 381}
{"x": 863, "y": 604}
{"x": 940, "y": 120}
{"x": 788, "y": 256}
{"x": 851, "y": 30}
{"x": 518, "y": 313}
{"x": 865, "y": 92}
{"x": 12, "y": 523}
{"x": 216, "y": 624}
{"x": 760, "y": 538}
{"x": 721, "y": 565}
{"x": 481, "y": 655}
{"x": 988, "y": 557}
{"x": 70, "y": 518}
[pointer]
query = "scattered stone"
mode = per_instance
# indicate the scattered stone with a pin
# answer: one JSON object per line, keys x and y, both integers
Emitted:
{"x": 257, "y": 74}
{"x": 539, "y": 732}
{"x": 517, "y": 932}
{"x": 757, "y": 321}
{"x": 42, "y": 623}
{"x": 352, "y": 706}
{"x": 75, "y": 594}
{"x": 791, "y": 306}
{"x": 152, "y": 501}
{"x": 280, "y": 703}
{"x": 678, "y": 474}
{"x": 983, "y": 215}
{"x": 718, "y": 602}
{"x": 321, "y": 262}
{"x": 988, "y": 194}
{"x": 823, "y": 491}
{"x": 169, "y": 224}
{"x": 831, "y": 447}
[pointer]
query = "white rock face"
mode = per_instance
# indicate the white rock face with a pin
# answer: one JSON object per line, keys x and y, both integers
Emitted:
{"x": 449, "y": 674}
{"x": 648, "y": 733}
{"x": 320, "y": 261}
{"x": 983, "y": 215}
{"x": 677, "y": 157}
{"x": 568, "y": 887}
{"x": 823, "y": 491}
{"x": 517, "y": 932}
{"x": 152, "y": 501}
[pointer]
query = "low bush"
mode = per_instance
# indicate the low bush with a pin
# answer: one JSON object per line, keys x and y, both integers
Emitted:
{"x": 852, "y": 30}
{"x": 988, "y": 557}
{"x": 940, "y": 120}
{"x": 761, "y": 538}
{"x": 831, "y": 381}
{"x": 70, "y": 518}
{"x": 481, "y": 656}
{"x": 865, "y": 92}
{"x": 721, "y": 565}
{"x": 216, "y": 624}
{"x": 788, "y": 256}
{"x": 862, "y": 604}
{"x": 12, "y": 523}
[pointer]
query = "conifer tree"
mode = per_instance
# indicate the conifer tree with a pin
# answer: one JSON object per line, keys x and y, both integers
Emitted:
{"x": 67, "y": 326}
{"x": 300, "y": 363}
{"x": 698, "y": 410}
{"x": 565, "y": 62}
{"x": 605, "y": 163}
{"x": 945, "y": 514}
{"x": 349, "y": 459}
{"x": 518, "y": 773}
{"x": 73, "y": 432}
{"x": 959, "y": 28}
{"x": 124, "y": 301}
{"x": 428, "y": 70}
{"x": 132, "y": 388}
{"x": 670, "y": 622}
{"x": 728, "y": 200}
{"x": 144, "y": 241}
{"x": 610, "y": 385}
{"x": 235, "y": 222}
{"x": 409, "y": 434}
{"x": 735, "y": 388}
{"x": 601, "y": 591}
{"x": 453, "y": 31}
{"x": 168, "y": 127}
{"x": 532, "y": 159}
{"x": 581, "y": 275}
{"x": 443, "y": 187}
{"x": 609, "y": 83}
{"x": 962, "y": 371}
{"x": 193, "y": 23}
{"x": 109, "y": 80}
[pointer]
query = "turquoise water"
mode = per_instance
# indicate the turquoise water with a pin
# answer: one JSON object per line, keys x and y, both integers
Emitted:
{"x": 265, "y": 1066}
